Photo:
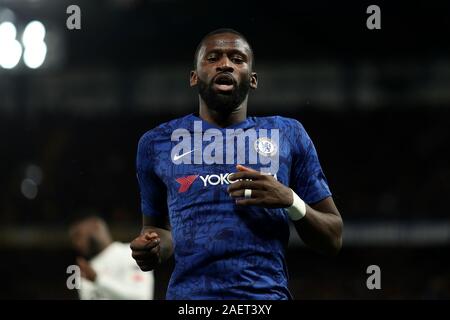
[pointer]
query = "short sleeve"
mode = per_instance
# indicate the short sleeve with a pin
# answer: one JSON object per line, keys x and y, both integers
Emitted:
{"x": 307, "y": 178}
{"x": 152, "y": 189}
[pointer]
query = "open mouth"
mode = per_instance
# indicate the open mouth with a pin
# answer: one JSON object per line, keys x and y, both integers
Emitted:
{"x": 224, "y": 82}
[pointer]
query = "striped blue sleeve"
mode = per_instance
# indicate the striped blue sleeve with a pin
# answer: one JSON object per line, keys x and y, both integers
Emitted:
{"x": 152, "y": 189}
{"x": 307, "y": 177}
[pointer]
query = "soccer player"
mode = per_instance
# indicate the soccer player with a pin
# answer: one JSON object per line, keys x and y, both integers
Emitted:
{"x": 106, "y": 267}
{"x": 209, "y": 197}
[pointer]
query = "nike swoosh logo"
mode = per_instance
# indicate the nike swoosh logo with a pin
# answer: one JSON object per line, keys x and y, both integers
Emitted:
{"x": 176, "y": 157}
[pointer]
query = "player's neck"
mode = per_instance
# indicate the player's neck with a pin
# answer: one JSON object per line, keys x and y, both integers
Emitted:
{"x": 106, "y": 242}
{"x": 220, "y": 119}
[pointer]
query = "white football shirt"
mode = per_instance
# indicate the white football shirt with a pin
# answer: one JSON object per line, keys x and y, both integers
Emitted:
{"x": 118, "y": 277}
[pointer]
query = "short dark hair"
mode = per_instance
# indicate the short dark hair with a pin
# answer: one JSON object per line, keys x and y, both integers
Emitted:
{"x": 220, "y": 31}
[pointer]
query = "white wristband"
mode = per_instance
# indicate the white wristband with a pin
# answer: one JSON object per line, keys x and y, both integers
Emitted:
{"x": 298, "y": 208}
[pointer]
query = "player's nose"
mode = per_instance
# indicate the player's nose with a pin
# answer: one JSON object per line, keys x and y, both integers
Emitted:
{"x": 224, "y": 65}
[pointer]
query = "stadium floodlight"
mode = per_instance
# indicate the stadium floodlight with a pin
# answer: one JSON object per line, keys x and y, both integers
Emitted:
{"x": 34, "y": 57}
{"x": 29, "y": 189}
{"x": 7, "y": 31}
{"x": 34, "y": 172}
{"x": 35, "y": 47}
{"x": 7, "y": 15}
{"x": 11, "y": 50}
{"x": 34, "y": 33}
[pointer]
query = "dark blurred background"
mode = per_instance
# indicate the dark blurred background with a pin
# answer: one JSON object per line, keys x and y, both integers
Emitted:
{"x": 375, "y": 102}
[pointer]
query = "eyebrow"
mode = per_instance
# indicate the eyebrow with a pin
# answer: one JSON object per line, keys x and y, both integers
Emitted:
{"x": 229, "y": 51}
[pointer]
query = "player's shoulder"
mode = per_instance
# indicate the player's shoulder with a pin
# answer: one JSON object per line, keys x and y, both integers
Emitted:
{"x": 163, "y": 130}
{"x": 281, "y": 123}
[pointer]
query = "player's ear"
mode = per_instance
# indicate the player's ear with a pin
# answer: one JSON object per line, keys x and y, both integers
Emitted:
{"x": 193, "y": 78}
{"x": 253, "y": 80}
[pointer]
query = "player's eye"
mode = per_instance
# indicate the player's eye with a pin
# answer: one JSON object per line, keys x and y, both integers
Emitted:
{"x": 237, "y": 59}
{"x": 212, "y": 58}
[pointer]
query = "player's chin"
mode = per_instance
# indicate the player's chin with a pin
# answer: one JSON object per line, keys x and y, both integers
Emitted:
{"x": 146, "y": 268}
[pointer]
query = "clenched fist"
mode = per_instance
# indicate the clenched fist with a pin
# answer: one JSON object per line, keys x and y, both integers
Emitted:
{"x": 146, "y": 250}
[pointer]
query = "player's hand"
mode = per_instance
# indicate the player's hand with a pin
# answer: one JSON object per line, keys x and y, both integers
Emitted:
{"x": 86, "y": 269}
{"x": 146, "y": 250}
{"x": 266, "y": 191}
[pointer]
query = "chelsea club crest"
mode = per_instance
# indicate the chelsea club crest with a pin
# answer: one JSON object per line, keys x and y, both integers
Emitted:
{"x": 265, "y": 147}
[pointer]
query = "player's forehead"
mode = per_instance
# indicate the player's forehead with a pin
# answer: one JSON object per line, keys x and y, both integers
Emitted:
{"x": 224, "y": 42}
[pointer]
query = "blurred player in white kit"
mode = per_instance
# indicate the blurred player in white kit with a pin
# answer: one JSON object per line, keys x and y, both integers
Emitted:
{"x": 107, "y": 269}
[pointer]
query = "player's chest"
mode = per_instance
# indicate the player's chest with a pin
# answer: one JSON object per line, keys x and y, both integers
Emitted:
{"x": 199, "y": 165}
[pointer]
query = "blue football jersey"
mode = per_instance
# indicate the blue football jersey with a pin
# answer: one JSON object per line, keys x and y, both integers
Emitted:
{"x": 223, "y": 250}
